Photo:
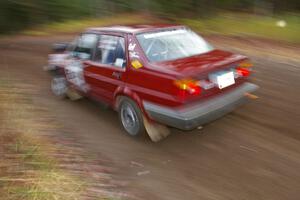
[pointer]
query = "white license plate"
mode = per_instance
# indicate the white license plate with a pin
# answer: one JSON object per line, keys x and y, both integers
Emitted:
{"x": 223, "y": 79}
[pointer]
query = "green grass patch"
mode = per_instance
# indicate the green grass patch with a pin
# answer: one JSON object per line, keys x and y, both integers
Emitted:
{"x": 230, "y": 24}
{"x": 248, "y": 25}
{"x": 73, "y": 26}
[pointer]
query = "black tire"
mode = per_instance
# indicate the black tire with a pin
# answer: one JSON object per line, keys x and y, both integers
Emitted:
{"x": 131, "y": 117}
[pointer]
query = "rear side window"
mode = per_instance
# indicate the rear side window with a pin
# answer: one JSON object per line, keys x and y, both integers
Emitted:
{"x": 111, "y": 51}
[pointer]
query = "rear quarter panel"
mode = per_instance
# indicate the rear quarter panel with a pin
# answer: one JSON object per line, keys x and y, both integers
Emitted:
{"x": 152, "y": 86}
{"x": 146, "y": 83}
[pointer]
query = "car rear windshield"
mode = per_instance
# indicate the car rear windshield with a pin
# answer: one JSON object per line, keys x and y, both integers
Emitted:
{"x": 172, "y": 44}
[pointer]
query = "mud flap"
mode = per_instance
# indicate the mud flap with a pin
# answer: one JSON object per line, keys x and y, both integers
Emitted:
{"x": 156, "y": 131}
{"x": 73, "y": 95}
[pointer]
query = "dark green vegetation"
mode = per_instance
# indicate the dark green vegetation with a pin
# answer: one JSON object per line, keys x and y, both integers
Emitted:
{"x": 16, "y": 15}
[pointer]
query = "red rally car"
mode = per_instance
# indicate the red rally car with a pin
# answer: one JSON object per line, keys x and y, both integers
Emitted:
{"x": 154, "y": 76}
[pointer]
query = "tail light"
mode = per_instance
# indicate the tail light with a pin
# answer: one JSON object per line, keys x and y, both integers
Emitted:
{"x": 244, "y": 69}
{"x": 188, "y": 87}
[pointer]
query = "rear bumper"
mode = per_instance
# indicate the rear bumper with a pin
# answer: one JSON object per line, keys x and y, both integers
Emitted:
{"x": 192, "y": 116}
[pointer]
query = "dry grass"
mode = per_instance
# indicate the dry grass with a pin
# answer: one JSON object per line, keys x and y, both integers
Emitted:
{"x": 34, "y": 175}
{"x": 37, "y": 161}
{"x": 27, "y": 169}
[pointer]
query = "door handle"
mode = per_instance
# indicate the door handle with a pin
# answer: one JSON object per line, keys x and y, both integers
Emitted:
{"x": 118, "y": 75}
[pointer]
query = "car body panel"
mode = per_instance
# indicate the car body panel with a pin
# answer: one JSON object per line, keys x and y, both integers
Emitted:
{"x": 202, "y": 64}
{"x": 134, "y": 29}
{"x": 103, "y": 80}
{"x": 200, "y": 113}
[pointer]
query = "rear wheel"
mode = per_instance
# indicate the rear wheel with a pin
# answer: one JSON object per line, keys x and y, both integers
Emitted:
{"x": 131, "y": 117}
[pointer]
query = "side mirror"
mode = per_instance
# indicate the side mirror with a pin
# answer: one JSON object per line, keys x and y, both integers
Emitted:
{"x": 59, "y": 47}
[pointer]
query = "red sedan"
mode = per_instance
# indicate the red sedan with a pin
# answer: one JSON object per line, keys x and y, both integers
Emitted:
{"x": 154, "y": 76}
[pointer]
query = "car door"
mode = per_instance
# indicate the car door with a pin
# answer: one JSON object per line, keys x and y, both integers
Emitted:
{"x": 106, "y": 71}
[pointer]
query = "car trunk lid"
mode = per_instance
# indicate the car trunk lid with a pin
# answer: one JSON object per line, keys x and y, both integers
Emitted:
{"x": 201, "y": 65}
{"x": 204, "y": 68}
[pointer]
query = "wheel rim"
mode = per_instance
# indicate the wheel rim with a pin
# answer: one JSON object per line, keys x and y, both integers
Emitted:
{"x": 129, "y": 119}
{"x": 59, "y": 86}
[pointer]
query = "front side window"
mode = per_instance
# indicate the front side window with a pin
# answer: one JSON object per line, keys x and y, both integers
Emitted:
{"x": 172, "y": 44}
{"x": 84, "y": 46}
{"x": 111, "y": 51}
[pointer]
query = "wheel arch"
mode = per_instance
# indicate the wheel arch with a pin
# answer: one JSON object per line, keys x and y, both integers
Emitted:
{"x": 127, "y": 92}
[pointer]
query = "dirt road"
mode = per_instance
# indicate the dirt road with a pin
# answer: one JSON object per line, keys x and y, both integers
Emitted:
{"x": 252, "y": 153}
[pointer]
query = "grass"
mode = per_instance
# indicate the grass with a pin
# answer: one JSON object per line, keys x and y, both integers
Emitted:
{"x": 73, "y": 26}
{"x": 244, "y": 25}
{"x": 33, "y": 165}
{"x": 44, "y": 182}
{"x": 28, "y": 171}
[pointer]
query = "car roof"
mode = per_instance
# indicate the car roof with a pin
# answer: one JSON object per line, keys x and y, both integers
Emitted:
{"x": 134, "y": 29}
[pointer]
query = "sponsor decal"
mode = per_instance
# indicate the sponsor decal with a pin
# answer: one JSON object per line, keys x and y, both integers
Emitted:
{"x": 131, "y": 46}
{"x": 134, "y": 54}
{"x": 136, "y": 64}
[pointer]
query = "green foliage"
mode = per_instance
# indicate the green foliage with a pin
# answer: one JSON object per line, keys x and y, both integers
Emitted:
{"x": 20, "y": 14}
